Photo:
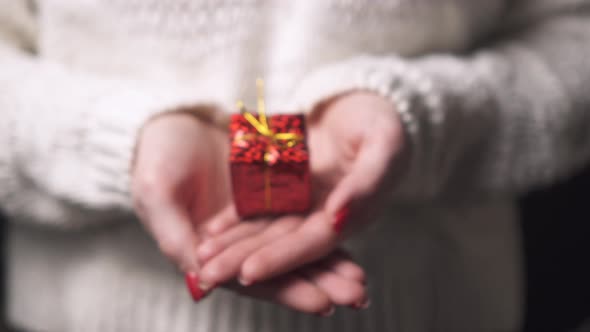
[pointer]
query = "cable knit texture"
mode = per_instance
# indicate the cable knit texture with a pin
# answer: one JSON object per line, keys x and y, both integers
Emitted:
{"x": 491, "y": 92}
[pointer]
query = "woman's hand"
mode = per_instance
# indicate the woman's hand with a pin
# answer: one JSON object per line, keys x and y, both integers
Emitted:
{"x": 180, "y": 178}
{"x": 357, "y": 148}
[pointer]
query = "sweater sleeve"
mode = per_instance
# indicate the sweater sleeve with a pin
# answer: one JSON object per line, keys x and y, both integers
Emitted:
{"x": 67, "y": 136}
{"x": 497, "y": 121}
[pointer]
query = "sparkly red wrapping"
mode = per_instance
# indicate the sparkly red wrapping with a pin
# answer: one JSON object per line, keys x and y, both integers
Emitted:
{"x": 263, "y": 188}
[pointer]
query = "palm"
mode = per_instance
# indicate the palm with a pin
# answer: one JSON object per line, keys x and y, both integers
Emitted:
{"x": 182, "y": 166}
{"x": 201, "y": 178}
{"x": 335, "y": 139}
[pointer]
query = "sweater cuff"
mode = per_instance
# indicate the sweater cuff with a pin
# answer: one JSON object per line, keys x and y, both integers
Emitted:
{"x": 412, "y": 92}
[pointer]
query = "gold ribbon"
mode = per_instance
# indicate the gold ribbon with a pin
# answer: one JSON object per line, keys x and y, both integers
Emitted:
{"x": 277, "y": 140}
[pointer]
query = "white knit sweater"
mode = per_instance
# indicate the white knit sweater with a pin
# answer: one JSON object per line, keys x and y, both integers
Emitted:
{"x": 487, "y": 120}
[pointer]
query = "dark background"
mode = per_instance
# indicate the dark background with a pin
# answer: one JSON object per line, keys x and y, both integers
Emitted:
{"x": 556, "y": 229}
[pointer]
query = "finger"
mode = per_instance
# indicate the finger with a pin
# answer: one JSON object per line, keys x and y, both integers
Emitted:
{"x": 196, "y": 288}
{"x": 291, "y": 291}
{"x": 340, "y": 290}
{"x": 227, "y": 264}
{"x": 224, "y": 220}
{"x": 366, "y": 174}
{"x": 342, "y": 264}
{"x": 217, "y": 244}
{"x": 173, "y": 231}
{"x": 310, "y": 242}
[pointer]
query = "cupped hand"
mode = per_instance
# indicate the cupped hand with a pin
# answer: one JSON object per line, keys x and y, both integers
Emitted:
{"x": 180, "y": 179}
{"x": 357, "y": 149}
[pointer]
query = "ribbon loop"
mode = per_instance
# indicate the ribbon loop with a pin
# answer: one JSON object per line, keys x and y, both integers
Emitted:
{"x": 261, "y": 124}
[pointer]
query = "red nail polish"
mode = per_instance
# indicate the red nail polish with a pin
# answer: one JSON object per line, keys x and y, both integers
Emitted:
{"x": 193, "y": 285}
{"x": 341, "y": 219}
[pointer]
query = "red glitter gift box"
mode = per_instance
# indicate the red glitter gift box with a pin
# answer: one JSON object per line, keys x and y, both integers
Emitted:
{"x": 269, "y": 165}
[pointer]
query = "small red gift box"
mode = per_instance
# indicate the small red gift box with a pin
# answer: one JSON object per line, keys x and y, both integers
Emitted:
{"x": 269, "y": 165}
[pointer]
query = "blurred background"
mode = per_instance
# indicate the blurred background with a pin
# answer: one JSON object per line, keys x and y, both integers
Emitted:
{"x": 556, "y": 230}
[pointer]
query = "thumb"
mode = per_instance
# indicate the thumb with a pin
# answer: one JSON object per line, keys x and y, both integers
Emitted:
{"x": 172, "y": 228}
{"x": 365, "y": 177}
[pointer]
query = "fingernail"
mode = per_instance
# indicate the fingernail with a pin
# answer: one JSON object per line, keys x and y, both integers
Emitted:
{"x": 363, "y": 304}
{"x": 244, "y": 282}
{"x": 205, "y": 287}
{"x": 197, "y": 288}
{"x": 340, "y": 219}
{"x": 329, "y": 312}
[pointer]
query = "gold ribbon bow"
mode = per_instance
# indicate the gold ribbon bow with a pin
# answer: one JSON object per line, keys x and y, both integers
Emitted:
{"x": 261, "y": 125}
